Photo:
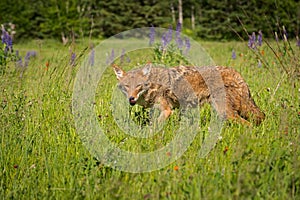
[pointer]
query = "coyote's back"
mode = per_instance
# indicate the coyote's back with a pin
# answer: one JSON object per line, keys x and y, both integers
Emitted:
{"x": 171, "y": 87}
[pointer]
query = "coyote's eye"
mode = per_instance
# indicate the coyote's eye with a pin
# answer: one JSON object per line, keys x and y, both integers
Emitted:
{"x": 139, "y": 86}
{"x": 124, "y": 88}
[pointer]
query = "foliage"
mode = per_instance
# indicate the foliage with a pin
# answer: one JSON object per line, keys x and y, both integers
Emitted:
{"x": 213, "y": 19}
{"x": 224, "y": 20}
{"x": 169, "y": 51}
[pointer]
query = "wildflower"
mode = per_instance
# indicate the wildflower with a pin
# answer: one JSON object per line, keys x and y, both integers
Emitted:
{"x": 92, "y": 56}
{"x": 27, "y": 57}
{"x": 226, "y": 149}
{"x": 151, "y": 35}
{"x": 167, "y": 37}
{"x": 73, "y": 57}
{"x": 178, "y": 29}
{"x": 179, "y": 41}
{"x": 259, "y": 38}
{"x": 164, "y": 40}
{"x": 169, "y": 34}
{"x": 233, "y": 55}
{"x": 176, "y": 168}
{"x": 6, "y": 40}
{"x": 47, "y": 65}
{"x": 169, "y": 154}
{"x": 122, "y": 56}
{"x": 32, "y": 53}
{"x": 187, "y": 45}
{"x": 112, "y": 56}
{"x": 251, "y": 42}
{"x": 110, "y": 59}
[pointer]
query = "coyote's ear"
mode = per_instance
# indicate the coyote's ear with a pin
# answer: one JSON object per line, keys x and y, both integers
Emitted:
{"x": 119, "y": 72}
{"x": 147, "y": 69}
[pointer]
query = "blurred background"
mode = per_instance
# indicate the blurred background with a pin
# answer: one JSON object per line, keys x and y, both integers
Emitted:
{"x": 205, "y": 19}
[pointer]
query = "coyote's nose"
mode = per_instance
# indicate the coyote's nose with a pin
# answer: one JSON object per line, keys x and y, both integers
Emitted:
{"x": 132, "y": 101}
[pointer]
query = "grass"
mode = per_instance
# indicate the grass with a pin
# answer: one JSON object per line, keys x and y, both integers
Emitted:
{"x": 42, "y": 156}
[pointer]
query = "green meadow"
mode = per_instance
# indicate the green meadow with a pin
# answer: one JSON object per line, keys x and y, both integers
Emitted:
{"x": 42, "y": 155}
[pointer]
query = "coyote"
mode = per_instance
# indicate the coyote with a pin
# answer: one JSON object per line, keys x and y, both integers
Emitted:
{"x": 170, "y": 88}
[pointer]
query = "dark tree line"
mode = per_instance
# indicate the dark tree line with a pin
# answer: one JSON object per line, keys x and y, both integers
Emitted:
{"x": 208, "y": 19}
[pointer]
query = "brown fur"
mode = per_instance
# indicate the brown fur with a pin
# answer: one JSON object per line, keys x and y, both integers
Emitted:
{"x": 173, "y": 87}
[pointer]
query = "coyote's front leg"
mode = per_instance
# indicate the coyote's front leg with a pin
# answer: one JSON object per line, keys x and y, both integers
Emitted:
{"x": 165, "y": 109}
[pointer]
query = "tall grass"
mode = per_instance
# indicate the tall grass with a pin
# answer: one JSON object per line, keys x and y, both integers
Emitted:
{"x": 42, "y": 157}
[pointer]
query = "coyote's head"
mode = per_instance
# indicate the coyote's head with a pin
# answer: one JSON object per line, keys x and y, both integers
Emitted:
{"x": 133, "y": 83}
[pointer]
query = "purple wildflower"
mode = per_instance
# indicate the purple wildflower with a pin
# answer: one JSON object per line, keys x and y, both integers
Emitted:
{"x": 164, "y": 41}
{"x": 73, "y": 57}
{"x": 178, "y": 29}
{"x": 187, "y": 45}
{"x": 167, "y": 37}
{"x": 112, "y": 56}
{"x": 27, "y": 57}
{"x": 151, "y": 35}
{"x": 253, "y": 36}
{"x": 6, "y": 40}
{"x": 92, "y": 56}
{"x": 110, "y": 59}
{"x": 122, "y": 56}
{"x": 249, "y": 42}
{"x": 259, "y": 38}
{"x": 179, "y": 41}
{"x": 233, "y": 55}
{"x": 252, "y": 40}
{"x": 170, "y": 34}
{"x": 32, "y": 53}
